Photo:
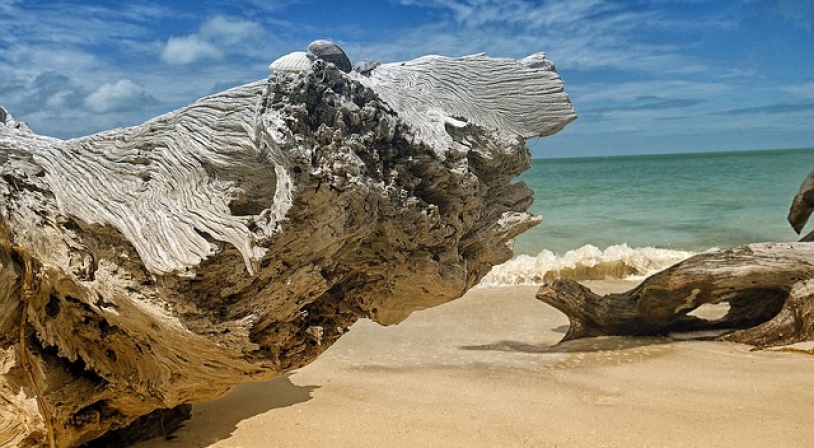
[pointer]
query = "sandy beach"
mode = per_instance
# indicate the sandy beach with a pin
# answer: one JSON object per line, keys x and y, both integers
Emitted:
{"x": 484, "y": 371}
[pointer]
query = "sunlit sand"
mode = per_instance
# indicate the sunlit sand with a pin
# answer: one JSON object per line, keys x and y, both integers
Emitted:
{"x": 486, "y": 371}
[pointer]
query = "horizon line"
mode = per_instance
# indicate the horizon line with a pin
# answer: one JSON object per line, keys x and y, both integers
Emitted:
{"x": 681, "y": 153}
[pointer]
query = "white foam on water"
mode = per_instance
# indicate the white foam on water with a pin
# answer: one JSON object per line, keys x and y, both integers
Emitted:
{"x": 586, "y": 263}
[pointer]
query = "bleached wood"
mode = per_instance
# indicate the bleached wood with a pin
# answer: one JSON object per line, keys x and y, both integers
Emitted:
{"x": 507, "y": 96}
{"x": 239, "y": 237}
{"x": 768, "y": 287}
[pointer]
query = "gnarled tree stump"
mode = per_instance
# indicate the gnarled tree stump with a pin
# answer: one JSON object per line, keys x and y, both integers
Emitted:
{"x": 237, "y": 238}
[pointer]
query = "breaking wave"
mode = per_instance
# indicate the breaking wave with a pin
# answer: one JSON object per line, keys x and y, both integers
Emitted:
{"x": 586, "y": 263}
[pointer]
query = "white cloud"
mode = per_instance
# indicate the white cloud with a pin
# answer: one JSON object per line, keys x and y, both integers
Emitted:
{"x": 213, "y": 41}
{"x": 804, "y": 90}
{"x": 576, "y": 34}
{"x": 477, "y": 13}
{"x": 123, "y": 95}
{"x": 189, "y": 50}
{"x": 229, "y": 31}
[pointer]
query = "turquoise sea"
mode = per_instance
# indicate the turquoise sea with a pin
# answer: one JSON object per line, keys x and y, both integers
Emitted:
{"x": 620, "y": 216}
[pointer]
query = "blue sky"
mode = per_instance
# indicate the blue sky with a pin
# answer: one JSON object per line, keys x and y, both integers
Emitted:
{"x": 646, "y": 76}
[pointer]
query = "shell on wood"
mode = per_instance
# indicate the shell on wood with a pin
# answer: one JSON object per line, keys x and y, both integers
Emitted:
{"x": 330, "y": 52}
{"x": 297, "y": 61}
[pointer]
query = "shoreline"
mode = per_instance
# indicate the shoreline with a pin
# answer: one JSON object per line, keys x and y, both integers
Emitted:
{"x": 485, "y": 371}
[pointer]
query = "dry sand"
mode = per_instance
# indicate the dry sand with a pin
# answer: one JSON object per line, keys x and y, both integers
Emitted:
{"x": 483, "y": 371}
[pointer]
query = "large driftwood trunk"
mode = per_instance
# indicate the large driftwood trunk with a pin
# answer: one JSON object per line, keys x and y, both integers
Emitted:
{"x": 769, "y": 288}
{"x": 238, "y": 238}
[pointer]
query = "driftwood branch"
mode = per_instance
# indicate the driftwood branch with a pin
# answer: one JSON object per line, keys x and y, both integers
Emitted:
{"x": 769, "y": 288}
{"x": 802, "y": 206}
{"x": 237, "y": 238}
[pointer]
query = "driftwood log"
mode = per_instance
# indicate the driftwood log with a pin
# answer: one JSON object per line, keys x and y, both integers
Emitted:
{"x": 769, "y": 288}
{"x": 145, "y": 268}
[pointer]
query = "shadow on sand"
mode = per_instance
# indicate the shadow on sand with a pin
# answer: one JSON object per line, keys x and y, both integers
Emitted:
{"x": 595, "y": 344}
{"x": 216, "y": 420}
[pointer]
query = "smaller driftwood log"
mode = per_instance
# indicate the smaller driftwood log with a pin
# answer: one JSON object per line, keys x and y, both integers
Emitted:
{"x": 769, "y": 288}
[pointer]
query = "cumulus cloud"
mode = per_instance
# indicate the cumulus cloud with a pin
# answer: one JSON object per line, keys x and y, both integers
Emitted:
{"x": 229, "y": 31}
{"x": 121, "y": 96}
{"x": 189, "y": 50}
{"x": 213, "y": 40}
{"x": 48, "y": 90}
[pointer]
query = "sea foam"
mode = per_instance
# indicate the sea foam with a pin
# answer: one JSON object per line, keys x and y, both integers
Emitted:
{"x": 586, "y": 263}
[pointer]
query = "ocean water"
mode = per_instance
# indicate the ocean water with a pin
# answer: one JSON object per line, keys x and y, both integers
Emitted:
{"x": 617, "y": 217}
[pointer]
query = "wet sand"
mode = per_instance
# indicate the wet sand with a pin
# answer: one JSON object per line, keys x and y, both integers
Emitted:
{"x": 484, "y": 371}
